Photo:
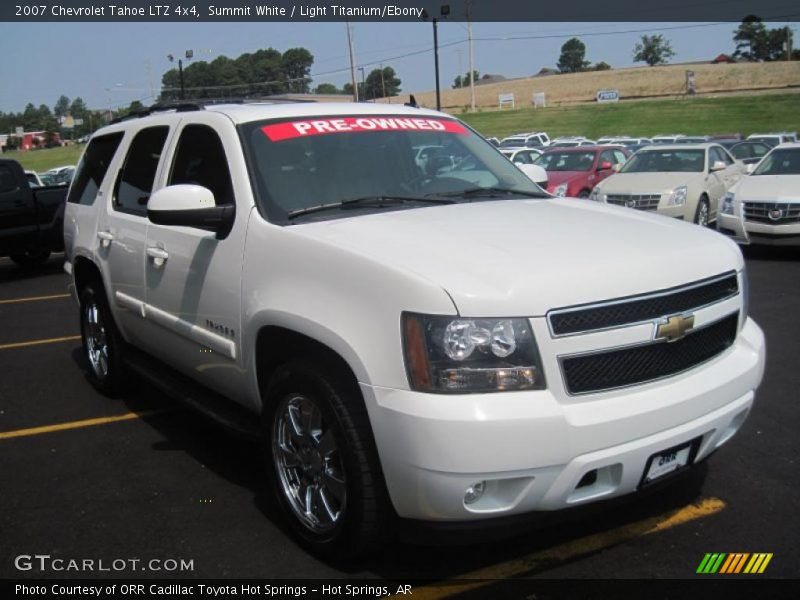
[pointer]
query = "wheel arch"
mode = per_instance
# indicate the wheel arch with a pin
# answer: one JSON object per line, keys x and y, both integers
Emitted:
{"x": 277, "y": 344}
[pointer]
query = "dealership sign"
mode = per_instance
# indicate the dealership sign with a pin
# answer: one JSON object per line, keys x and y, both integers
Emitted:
{"x": 608, "y": 95}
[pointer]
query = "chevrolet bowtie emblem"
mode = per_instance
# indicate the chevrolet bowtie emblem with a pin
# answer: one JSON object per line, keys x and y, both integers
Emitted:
{"x": 674, "y": 328}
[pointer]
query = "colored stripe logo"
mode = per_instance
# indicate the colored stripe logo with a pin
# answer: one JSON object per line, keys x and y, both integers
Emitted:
{"x": 734, "y": 563}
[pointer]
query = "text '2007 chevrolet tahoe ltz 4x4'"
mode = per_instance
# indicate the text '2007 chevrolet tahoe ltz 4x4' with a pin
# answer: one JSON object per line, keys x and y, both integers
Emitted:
{"x": 443, "y": 343}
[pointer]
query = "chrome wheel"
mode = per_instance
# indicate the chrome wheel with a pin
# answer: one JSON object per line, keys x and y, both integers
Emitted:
{"x": 702, "y": 214}
{"x": 308, "y": 463}
{"x": 96, "y": 343}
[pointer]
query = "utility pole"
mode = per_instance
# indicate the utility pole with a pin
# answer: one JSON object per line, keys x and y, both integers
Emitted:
{"x": 352, "y": 62}
{"x": 471, "y": 58}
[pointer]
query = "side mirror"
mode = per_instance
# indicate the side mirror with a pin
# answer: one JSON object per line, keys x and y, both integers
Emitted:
{"x": 535, "y": 173}
{"x": 189, "y": 206}
{"x": 605, "y": 166}
{"x": 719, "y": 166}
{"x": 750, "y": 168}
{"x": 617, "y": 167}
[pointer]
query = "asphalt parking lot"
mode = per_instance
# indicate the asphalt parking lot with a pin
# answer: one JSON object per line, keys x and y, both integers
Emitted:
{"x": 86, "y": 477}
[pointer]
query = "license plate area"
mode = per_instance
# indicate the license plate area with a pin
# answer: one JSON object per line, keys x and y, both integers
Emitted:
{"x": 670, "y": 461}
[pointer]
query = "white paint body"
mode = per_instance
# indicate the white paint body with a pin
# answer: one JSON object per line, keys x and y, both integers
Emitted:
{"x": 346, "y": 282}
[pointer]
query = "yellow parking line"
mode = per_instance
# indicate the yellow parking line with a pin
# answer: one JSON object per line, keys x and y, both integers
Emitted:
{"x": 566, "y": 551}
{"x": 68, "y": 338}
{"x": 5, "y": 435}
{"x": 34, "y": 299}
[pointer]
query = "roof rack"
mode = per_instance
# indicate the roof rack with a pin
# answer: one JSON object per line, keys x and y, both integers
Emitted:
{"x": 201, "y": 103}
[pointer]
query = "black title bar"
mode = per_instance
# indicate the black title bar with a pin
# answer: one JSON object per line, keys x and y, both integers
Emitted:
{"x": 396, "y": 11}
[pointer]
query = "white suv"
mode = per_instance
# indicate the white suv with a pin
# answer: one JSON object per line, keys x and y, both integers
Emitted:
{"x": 440, "y": 343}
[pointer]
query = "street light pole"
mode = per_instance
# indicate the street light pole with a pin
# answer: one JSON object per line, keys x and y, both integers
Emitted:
{"x": 363, "y": 83}
{"x": 188, "y": 55}
{"x": 444, "y": 11}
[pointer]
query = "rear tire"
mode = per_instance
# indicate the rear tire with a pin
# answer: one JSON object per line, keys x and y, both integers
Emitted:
{"x": 321, "y": 461}
{"x": 584, "y": 194}
{"x": 701, "y": 214}
{"x": 103, "y": 345}
{"x": 31, "y": 258}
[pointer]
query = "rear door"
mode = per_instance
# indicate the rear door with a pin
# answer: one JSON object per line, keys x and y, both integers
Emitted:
{"x": 17, "y": 209}
{"x": 122, "y": 228}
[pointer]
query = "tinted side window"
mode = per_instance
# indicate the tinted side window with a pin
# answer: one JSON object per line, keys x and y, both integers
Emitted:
{"x": 93, "y": 168}
{"x": 200, "y": 159}
{"x": 8, "y": 182}
{"x": 136, "y": 178}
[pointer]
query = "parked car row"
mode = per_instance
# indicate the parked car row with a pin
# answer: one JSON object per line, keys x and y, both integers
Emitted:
{"x": 693, "y": 178}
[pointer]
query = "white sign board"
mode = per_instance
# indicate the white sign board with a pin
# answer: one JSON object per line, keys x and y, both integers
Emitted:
{"x": 608, "y": 95}
{"x": 539, "y": 100}
{"x": 505, "y": 100}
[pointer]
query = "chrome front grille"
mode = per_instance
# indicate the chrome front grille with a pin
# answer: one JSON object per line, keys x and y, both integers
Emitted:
{"x": 774, "y": 213}
{"x": 638, "y": 201}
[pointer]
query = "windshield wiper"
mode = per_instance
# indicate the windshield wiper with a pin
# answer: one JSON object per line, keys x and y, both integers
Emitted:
{"x": 366, "y": 202}
{"x": 489, "y": 192}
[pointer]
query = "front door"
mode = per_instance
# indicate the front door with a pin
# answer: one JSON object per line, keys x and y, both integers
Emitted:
{"x": 192, "y": 276}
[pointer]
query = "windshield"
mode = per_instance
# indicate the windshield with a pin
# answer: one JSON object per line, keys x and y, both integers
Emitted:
{"x": 297, "y": 165}
{"x": 780, "y": 162}
{"x": 665, "y": 161}
{"x": 566, "y": 161}
{"x": 512, "y": 143}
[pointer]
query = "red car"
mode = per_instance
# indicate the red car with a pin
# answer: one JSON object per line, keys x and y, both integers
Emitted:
{"x": 575, "y": 171}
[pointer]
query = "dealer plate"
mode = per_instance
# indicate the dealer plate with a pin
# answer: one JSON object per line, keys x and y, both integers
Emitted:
{"x": 669, "y": 461}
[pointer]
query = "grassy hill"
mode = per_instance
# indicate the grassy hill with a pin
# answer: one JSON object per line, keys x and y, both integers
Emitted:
{"x": 42, "y": 160}
{"x": 724, "y": 114}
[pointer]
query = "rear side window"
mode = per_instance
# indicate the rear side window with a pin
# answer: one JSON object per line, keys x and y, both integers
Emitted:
{"x": 136, "y": 178}
{"x": 92, "y": 168}
{"x": 8, "y": 183}
{"x": 200, "y": 160}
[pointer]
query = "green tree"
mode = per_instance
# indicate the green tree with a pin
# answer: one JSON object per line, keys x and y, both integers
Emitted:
{"x": 573, "y": 55}
{"x": 752, "y": 39}
{"x": 296, "y": 67}
{"x": 463, "y": 80}
{"x": 653, "y": 50}
{"x": 601, "y": 66}
{"x": 61, "y": 108}
{"x": 382, "y": 83}
{"x": 779, "y": 42}
{"x": 327, "y": 88}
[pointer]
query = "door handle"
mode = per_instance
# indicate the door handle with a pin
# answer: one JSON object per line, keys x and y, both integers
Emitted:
{"x": 105, "y": 238}
{"x": 159, "y": 256}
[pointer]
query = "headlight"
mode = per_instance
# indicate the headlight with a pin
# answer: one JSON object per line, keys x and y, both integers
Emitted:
{"x": 727, "y": 204}
{"x": 678, "y": 196}
{"x": 561, "y": 190}
{"x": 597, "y": 195}
{"x": 455, "y": 355}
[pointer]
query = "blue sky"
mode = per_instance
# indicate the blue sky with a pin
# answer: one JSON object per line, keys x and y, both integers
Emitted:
{"x": 110, "y": 64}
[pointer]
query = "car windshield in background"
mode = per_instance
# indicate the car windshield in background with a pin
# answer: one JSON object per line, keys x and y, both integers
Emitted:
{"x": 665, "y": 161}
{"x": 512, "y": 143}
{"x": 566, "y": 161}
{"x": 780, "y": 162}
{"x": 317, "y": 168}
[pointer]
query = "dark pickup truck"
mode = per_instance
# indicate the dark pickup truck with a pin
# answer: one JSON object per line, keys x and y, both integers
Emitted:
{"x": 31, "y": 219}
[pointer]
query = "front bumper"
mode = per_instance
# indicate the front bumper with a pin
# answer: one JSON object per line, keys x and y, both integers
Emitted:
{"x": 533, "y": 448}
{"x": 753, "y": 232}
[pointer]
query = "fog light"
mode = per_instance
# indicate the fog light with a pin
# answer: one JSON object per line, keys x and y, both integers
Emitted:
{"x": 474, "y": 492}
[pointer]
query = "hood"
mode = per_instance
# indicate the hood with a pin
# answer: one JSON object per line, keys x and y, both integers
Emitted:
{"x": 768, "y": 188}
{"x": 525, "y": 257}
{"x": 643, "y": 183}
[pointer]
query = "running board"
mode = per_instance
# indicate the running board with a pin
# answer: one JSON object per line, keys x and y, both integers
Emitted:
{"x": 236, "y": 419}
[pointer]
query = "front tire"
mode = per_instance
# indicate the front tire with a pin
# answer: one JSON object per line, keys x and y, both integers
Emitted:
{"x": 103, "y": 345}
{"x": 322, "y": 462}
{"x": 701, "y": 214}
